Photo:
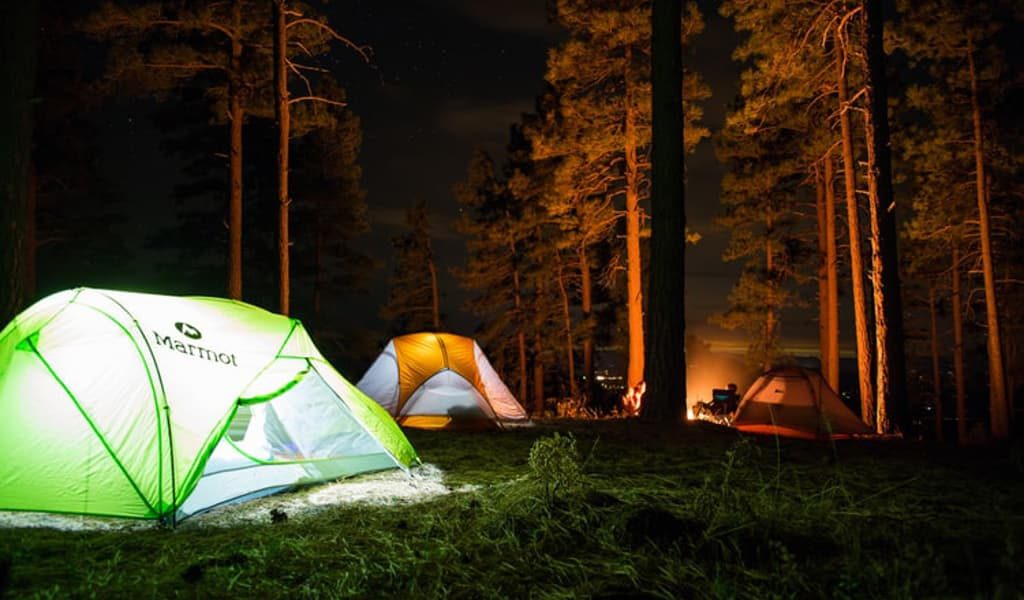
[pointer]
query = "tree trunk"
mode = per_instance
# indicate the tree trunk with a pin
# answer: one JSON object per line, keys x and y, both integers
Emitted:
{"x": 998, "y": 409}
{"x": 832, "y": 276}
{"x": 666, "y": 351}
{"x": 538, "y": 378}
{"x": 435, "y": 296}
{"x": 634, "y": 286}
{"x": 867, "y": 397}
{"x": 517, "y": 299}
{"x": 893, "y": 411}
{"x": 823, "y": 298}
{"x": 31, "y": 243}
{"x": 570, "y": 355}
{"x": 958, "y": 350}
{"x": 882, "y": 383}
{"x": 936, "y": 369}
{"x": 768, "y": 336}
{"x": 318, "y": 251}
{"x": 586, "y": 305}
{"x": 282, "y": 113}
{"x": 17, "y": 87}
{"x": 236, "y": 116}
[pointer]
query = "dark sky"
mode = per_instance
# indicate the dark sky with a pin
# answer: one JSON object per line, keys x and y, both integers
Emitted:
{"x": 448, "y": 76}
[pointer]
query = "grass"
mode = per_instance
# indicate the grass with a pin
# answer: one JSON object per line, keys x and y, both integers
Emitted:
{"x": 619, "y": 510}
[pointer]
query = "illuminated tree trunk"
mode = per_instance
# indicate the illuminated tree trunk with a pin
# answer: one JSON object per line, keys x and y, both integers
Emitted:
{"x": 570, "y": 355}
{"x": 634, "y": 287}
{"x": 831, "y": 370}
{"x": 998, "y": 409}
{"x": 770, "y": 301}
{"x": 282, "y": 114}
{"x": 867, "y": 397}
{"x": 666, "y": 350}
{"x": 538, "y": 377}
{"x": 586, "y": 305}
{"x": 936, "y": 370}
{"x": 882, "y": 391}
{"x": 958, "y": 350}
{"x": 236, "y": 117}
{"x": 17, "y": 82}
{"x": 891, "y": 402}
{"x": 823, "y": 297}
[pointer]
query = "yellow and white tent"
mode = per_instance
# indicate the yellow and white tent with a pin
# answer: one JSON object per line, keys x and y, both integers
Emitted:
{"x": 440, "y": 381}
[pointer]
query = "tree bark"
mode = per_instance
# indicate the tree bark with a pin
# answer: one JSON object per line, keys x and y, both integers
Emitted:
{"x": 435, "y": 296}
{"x": 823, "y": 297}
{"x": 17, "y": 87}
{"x": 31, "y": 242}
{"x": 634, "y": 286}
{"x": 282, "y": 114}
{"x": 517, "y": 299}
{"x": 891, "y": 404}
{"x": 570, "y": 355}
{"x": 538, "y": 377}
{"x": 666, "y": 351}
{"x": 832, "y": 275}
{"x": 958, "y": 350}
{"x": 936, "y": 369}
{"x": 587, "y": 307}
{"x": 867, "y": 397}
{"x": 998, "y": 410}
{"x": 236, "y": 117}
{"x": 882, "y": 383}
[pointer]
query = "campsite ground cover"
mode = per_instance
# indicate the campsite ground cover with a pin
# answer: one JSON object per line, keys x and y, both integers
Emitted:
{"x": 619, "y": 510}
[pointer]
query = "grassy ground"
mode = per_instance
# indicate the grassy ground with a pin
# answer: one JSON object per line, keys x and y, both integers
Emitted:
{"x": 635, "y": 512}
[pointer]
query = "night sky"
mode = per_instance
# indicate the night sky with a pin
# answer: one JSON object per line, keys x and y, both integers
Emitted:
{"x": 449, "y": 76}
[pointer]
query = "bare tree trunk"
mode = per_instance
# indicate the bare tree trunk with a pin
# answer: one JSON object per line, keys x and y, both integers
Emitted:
{"x": 936, "y": 370}
{"x": 666, "y": 349}
{"x": 634, "y": 286}
{"x": 882, "y": 384}
{"x": 823, "y": 298}
{"x": 893, "y": 411}
{"x": 586, "y": 305}
{"x": 318, "y": 250}
{"x": 283, "y": 115}
{"x": 768, "y": 339}
{"x": 236, "y": 116}
{"x": 998, "y": 409}
{"x": 17, "y": 87}
{"x": 517, "y": 298}
{"x": 538, "y": 377}
{"x": 958, "y": 350}
{"x": 867, "y": 396}
{"x": 31, "y": 243}
{"x": 570, "y": 355}
{"x": 832, "y": 275}
{"x": 435, "y": 296}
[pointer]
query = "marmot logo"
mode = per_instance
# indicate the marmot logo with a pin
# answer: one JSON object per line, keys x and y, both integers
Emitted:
{"x": 188, "y": 331}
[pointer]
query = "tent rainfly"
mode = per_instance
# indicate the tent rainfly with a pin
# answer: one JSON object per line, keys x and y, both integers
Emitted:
{"x": 440, "y": 381}
{"x": 158, "y": 407}
{"x": 795, "y": 402}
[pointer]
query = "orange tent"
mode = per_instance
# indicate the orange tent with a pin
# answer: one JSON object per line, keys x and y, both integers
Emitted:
{"x": 796, "y": 402}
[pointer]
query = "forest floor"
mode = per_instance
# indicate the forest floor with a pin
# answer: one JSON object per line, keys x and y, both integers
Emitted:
{"x": 619, "y": 509}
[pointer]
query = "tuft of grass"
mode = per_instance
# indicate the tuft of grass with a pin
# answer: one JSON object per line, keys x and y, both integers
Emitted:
{"x": 651, "y": 512}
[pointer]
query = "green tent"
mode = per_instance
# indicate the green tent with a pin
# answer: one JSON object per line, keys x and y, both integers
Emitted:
{"x": 146, "y": 406}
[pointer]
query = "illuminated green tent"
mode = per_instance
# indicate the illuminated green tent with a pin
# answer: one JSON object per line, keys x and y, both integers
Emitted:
{"x": 146, "y": 406}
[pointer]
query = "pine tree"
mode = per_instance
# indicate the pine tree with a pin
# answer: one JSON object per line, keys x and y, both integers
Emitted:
{"x": 414, "y": 301}
{"x": 958, "y": 45}
{"x": 602, "y": 79}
